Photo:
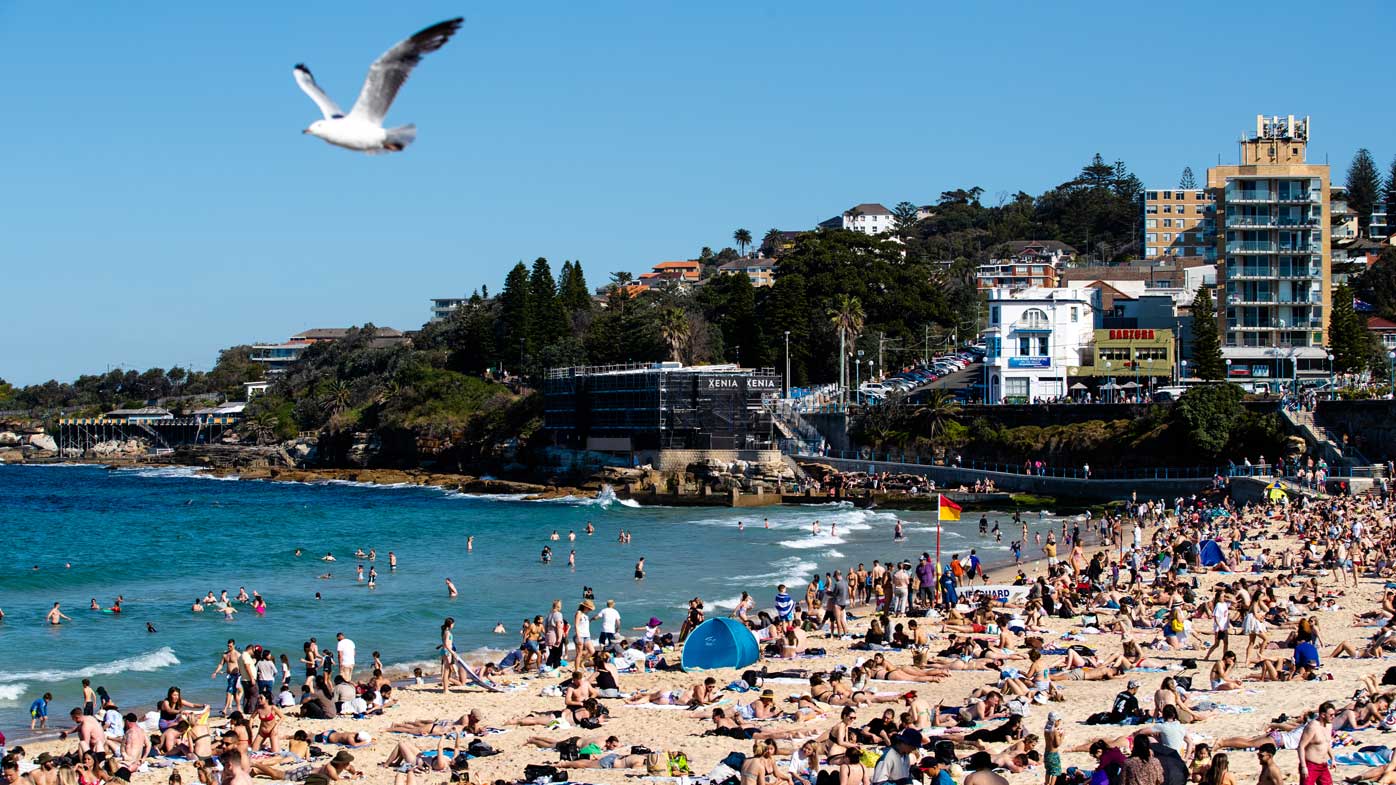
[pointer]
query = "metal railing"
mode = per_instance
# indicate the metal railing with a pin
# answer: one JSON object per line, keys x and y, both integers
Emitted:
{"x": 878, "y": 460}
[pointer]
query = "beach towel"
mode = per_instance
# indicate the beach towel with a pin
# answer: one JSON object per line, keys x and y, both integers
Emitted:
{"x": 1367, "y": 756}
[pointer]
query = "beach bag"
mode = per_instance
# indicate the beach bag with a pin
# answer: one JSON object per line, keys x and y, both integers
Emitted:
{"x": 541, "y": 772}
{"x": 754, "y": 679}
{"x": 868, "y": 758}
{"x": 657, "y": 764}
{"x": 734, "y": 761}
{"x": 1101, "y": 718}
{"x": 567, "y": 748}
{"x": 478, "y": 748}
{"x": 1184, "y": 682}
{"x": 678, "y": 764}
{"x": 1176, "y": 625}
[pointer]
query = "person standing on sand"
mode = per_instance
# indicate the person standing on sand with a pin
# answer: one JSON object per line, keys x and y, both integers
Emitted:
{"x": 1316, "y": 748}
{"x": 448, "y": 650}
{"x": 1270, "y": 773}
{"x": 345, "y": 648}
{"x": 228, "y": 663}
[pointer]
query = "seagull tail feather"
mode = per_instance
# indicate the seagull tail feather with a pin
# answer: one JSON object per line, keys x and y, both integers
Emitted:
{"x": 401, "y": 136}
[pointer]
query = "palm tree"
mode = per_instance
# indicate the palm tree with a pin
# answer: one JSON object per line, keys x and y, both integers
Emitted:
{"x": 939, "y": 410}
{"x": 847, "y": 316}
{"x": 742, "y": 238}
{"x": 673, "y": 328}
{"x": 336, "y": 397}
{"x": 264, "y": 426}
{"x": 773, "y": 240}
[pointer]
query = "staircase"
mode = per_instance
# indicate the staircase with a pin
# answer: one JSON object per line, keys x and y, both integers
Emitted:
{"x": 1318, "y": 437}
{"x": 796, "y": 428}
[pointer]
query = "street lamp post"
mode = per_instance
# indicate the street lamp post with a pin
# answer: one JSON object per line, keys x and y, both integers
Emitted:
{"x": 1228, "y": 369}
{"x": 1331, "y": 391}
{"x": 858, "y": 378}
{"x": 1109, "y": 383}
{"x": 1182, "y": 372}
{"x": 1392, "y": 356}
{"x": 787, "y": 364}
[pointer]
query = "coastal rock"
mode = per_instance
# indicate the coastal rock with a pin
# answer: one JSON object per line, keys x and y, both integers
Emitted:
{"x": 11, "y": 456}
{"x": 8, "y": 438}
{"x": 43, "y": 441}
{"x": 118, "y": 447}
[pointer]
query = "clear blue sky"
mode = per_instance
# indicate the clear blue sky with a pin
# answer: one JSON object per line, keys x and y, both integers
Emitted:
{"x": 159, "y": 201}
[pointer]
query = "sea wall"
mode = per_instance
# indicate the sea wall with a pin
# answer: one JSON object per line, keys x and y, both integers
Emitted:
{"x": 1061, "y": 487}
{"x": 1370, "y": 425}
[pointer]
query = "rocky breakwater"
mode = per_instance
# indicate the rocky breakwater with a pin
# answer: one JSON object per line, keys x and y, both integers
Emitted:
{"x": 22, "y": 440}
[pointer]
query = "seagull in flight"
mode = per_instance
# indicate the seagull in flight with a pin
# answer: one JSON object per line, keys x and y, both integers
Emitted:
{"x": 362, "y": 129}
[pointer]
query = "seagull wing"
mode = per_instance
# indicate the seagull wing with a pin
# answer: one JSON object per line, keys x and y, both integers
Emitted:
{"x": 386, "y": 75}
{"x": 327, "y": 106}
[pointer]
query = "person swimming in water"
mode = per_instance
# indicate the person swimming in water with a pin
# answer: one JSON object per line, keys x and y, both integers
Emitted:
{"x": 56, "y": 616}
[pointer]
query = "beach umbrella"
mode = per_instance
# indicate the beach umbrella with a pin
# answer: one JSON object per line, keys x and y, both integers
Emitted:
{"x": 1109, "y": 386}
{"x": 1078, "y": 386}
{"x": 1128, "y": 386}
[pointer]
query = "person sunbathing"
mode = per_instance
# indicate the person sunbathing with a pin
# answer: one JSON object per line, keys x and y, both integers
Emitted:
{"x": 698, "y": 695}
{"x": 734, "y": 728}
{"x": 409, "y": 755}
{"x": 471, "y": 723}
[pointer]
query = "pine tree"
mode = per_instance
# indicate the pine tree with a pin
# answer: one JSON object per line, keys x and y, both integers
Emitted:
{"x": 1207, "y": 361}
{"x": 1364, "y": 186}
{"x": 512, "y": 327}
{"x": 547, "y": 324}
{"x": 1187, "y": 182}
{"x": 1353, "y": 345}
{"x": 573, "y": 291}
{"x": 1390, "y": 197}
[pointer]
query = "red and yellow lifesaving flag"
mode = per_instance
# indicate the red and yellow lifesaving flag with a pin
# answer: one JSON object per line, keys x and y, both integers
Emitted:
{"x": 947, "y": 510}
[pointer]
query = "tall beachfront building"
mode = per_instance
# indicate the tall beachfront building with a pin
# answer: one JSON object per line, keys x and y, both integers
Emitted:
{"x": 1178, "y": 222}
{"x": 1272, "y": 215}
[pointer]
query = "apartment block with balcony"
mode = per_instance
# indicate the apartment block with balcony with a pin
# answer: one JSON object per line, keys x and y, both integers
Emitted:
{"x": 1273, "y": 276}
{"x": 1178, "y": 222}
{"x": 441, "y": 307}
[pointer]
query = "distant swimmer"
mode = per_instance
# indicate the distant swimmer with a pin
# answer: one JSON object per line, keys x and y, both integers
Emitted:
{"x": 55, "y": 616}
{"x": 554, "y": 536}
{"x": 814, "y": 528}
{"x": 571, "y": 535}
{"x": 572, "y": 559}
{"x": 589, "y": 530}
{"x": 197, "y": 607}
{"x": 327, "y": 557}
{"x": 499, "y": 629}
{"x": 298, "y": 551}
{"x": 470, "y": 543}
{"x": 228, "y": 611}
{"x": 450, "y": 588}
{"x": 392, "y": 560}
{"x": 766, "y": 522}
{"x": 373, "y": 554}
{"x": 640, "y": 569}
{"x": 67, "y": 565}
{"x": 359, "y": 554}
{"x": 317, "y": 596}
{"x": 897, "y": 534}
{"x": 359, "y": 572}
{"x": 326, "y": 576}
{"x": 150, "y": 628}
{"x": 93, "y": 606}
{"x": 741, "y": 526}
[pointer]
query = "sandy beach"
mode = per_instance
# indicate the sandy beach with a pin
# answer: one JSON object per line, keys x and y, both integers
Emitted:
{"x": 665, "y": 728}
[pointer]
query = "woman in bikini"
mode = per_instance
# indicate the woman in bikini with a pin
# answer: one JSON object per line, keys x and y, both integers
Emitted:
{"x": 175, "y": 705}
{"x": 268, "y": 720}
{"x": 310, "y": 658}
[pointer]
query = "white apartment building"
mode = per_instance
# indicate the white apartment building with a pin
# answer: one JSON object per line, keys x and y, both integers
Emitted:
{"x": 869, "y": 218}
{"x": 1035, "y": 334}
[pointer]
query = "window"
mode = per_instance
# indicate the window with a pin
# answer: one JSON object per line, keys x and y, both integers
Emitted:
{"x": 1151, "y": 223}
{"x": 1035, "y": 318}
{"x": 1024, "y": 346}
{"x": 1016, "y": 387}
{"x": 1042, "y": 346}
{"x": 1073, "y": 313}
{"x": 993, "y": 314}
{"x": 1151, "y": 195}
{"x": 1151, "y": 238}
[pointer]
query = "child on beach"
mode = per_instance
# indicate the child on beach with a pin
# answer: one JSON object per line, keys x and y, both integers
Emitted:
{"x": 38, "y": 712}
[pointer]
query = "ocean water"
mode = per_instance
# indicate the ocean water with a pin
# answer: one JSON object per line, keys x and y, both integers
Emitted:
{"x": 162, "y": 537}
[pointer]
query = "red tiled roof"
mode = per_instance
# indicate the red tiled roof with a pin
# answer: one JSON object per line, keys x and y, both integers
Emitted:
{"x": 1378, "y": 323}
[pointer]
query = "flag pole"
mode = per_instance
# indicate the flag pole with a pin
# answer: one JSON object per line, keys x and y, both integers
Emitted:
{"x": 935, "y": 591}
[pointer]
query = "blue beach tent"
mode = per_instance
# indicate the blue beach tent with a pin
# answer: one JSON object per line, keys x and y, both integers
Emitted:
{"x": 720, "y": 643}
{"x": 1210, "y": 554}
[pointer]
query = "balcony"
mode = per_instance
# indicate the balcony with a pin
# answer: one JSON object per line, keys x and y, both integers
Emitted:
{"x": 1300, "y": 197}
{"x": 1238, "y": 196}
{"x": 1250, "y": 247}
{"x": 1301, "y": 272}
{"x": 1268, "y": 222}
{"x": 1249, "y": 273}
{"x": 1261, "y": 298}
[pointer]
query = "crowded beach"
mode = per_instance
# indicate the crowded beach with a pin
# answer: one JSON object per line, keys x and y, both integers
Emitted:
{"x": 1174, "y": 641}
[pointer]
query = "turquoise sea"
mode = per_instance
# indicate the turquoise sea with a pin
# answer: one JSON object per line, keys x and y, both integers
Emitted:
{"x": 162, "y": 537}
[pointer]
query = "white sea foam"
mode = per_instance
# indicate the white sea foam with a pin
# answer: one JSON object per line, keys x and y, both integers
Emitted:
{"x": 815, "y": 541}
{"x": 791, "y": 570}
{"x": 10, "y": 694}
{"x": 834, "y": 554}
{"x": 142, "y": 663}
